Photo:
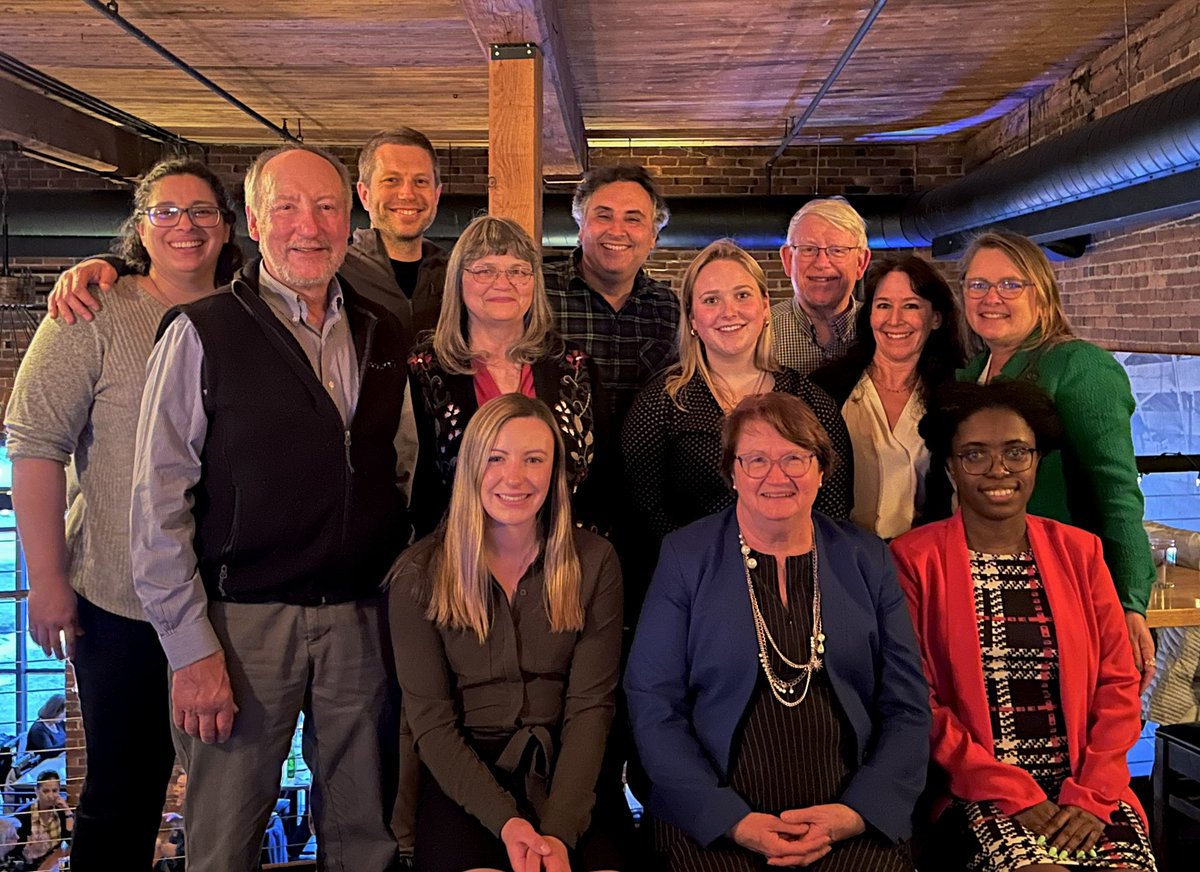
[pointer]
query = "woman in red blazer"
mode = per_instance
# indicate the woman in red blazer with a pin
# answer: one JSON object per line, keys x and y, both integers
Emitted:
{"x": 1032, "y": 682}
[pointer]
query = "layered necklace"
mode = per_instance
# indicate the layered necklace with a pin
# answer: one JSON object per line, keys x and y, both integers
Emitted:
{"x": 785, "y": 691}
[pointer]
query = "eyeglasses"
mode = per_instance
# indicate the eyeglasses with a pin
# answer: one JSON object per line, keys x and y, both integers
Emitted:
{"x": 759, "y": 465}
{"x": 978, "y": 461}
{"x": 168, "y": 216}
{"x": 834, "y": 252}
{"x": 517, "y": 275}
{"x": 1008, "y": 289}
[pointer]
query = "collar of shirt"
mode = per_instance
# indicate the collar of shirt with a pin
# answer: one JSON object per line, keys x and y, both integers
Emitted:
{"x": 642, "y": 283}
{"x": 842, "y": 323}
{"x": 286, "y": 301}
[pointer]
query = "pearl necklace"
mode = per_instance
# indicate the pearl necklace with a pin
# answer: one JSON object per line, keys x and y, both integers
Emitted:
{"x": 785, "y": 691}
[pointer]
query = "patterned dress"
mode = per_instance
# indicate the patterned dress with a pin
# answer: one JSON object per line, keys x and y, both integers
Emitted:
{"x": 786, "y": 758}
{"x": 1020, "y": 670}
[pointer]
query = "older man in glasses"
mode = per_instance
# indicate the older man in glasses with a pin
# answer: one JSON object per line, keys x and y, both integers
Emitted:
{"x": 825, "y": 256}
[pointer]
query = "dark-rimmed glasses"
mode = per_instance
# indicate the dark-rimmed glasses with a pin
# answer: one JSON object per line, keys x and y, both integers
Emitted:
{"x": 168, "y": 216}
{"x": 978, "y": 461}
{"x": 833, "y": 252}
{"x": 488, "y": 275}
{"x": 1008, "y": 289}
{"x": 759, "y": 465}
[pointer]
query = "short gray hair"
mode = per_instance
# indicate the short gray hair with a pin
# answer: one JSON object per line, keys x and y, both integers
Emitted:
{"x": 253, "y": 183}
{"x": 838, "y": 212}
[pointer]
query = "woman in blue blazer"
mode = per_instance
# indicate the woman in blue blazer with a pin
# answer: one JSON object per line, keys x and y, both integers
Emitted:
{"x": 775, "y": 691}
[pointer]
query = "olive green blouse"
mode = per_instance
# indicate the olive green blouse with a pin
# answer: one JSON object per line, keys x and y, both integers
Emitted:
{"x": 555, "y": 690}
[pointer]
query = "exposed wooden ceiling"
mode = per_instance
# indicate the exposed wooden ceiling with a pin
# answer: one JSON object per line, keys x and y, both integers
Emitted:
{"x": 683, "y": 71}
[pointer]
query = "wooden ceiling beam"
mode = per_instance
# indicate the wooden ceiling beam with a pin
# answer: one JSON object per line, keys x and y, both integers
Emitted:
{"x": 537, "y": 21}
{"x": 45, "y": 125}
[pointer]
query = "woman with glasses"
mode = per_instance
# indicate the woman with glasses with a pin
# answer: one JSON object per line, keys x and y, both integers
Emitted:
{"x": 495, "y": 336}
{"x": 506, "y": 627}
{"x": 671, "y": 443}
{"x": 1012, "y": 304}
{"x": 1032, "y": 683}
{"x": 774, "y": 686}
{"x": 910, "y": 340}
{"x": 71, "y": 424}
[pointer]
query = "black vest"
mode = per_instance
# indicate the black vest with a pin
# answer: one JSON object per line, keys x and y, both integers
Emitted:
{"x": 291, "y": 506}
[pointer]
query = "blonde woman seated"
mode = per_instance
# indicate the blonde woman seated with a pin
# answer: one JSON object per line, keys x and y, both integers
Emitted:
{"x": 506, "y": 627}
{"x": 671, "y": 442}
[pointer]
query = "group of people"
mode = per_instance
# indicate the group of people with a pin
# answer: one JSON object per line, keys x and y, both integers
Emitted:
{"x": 637, "y": 513}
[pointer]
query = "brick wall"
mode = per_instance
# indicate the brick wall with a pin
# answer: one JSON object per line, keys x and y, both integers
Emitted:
{"x": 1136, "y": 290}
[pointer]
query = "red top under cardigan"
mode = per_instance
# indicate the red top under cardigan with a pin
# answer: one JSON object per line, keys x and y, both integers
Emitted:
{"x": 1097, "y": 679}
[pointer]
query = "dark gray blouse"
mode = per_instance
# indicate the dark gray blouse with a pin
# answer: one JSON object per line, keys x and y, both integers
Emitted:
{"x": 555, "y": 689}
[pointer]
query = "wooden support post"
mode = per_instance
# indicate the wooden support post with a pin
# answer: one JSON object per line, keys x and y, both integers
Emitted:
{"x": 515, "y": 135}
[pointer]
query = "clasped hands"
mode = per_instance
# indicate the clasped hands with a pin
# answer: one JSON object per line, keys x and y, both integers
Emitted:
{"x": 797, "y": 837}
{"x": 530, "y": 851}
{"x": 1066, "y": 828}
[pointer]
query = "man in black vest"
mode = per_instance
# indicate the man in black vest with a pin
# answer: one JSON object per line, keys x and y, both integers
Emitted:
{"x": 265, "y": 516}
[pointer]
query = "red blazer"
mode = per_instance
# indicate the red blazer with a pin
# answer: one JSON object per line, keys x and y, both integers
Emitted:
{"x": 1097, "y": 679}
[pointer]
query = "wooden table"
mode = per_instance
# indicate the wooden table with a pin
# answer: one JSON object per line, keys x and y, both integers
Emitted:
{"x": 1178, "y": 606}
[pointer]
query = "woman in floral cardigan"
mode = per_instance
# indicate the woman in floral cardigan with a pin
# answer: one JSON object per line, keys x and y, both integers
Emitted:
{"x": 496, "y": 335}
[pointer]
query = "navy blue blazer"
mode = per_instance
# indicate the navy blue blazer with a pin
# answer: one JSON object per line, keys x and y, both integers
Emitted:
{"x": 694, "y": 665}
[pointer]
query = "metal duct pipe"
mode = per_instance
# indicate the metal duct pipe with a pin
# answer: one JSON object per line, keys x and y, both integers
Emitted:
{"x": 1155, "y": 138}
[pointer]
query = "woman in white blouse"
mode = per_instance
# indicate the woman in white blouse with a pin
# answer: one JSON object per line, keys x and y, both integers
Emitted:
{"x": 910, "y": 339}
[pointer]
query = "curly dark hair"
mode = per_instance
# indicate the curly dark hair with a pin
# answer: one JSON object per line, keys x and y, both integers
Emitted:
{"x": 128, "y": 244}
{"x": 597, "y": 178}
{"x": 955, "y": 402}
{"x": 945, "y": 350}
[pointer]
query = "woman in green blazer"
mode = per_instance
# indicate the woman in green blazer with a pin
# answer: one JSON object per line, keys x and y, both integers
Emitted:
{"x": 1011, "y": 301}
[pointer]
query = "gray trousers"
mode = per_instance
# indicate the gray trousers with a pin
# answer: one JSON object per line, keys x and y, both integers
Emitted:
{"x": 327, "y": 662}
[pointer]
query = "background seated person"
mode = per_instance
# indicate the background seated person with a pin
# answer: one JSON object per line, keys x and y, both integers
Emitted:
{"x": 774, "y": 686}
{"x": 1024, "y": 642}
{"x": 506, "y": 628}
{"x": 48, "y": 822}
{"x": 48, "y": 734}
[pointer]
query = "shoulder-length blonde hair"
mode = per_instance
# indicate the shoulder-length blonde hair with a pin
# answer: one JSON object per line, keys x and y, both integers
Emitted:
{"x": 1033, "y": 265}
{"x": 461, "y": 594}
{"x": 483, "y": 237}
{"x": 693, "y": 358}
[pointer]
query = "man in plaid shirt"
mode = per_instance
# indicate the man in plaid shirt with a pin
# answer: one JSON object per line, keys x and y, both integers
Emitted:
{"x": 825, "y": 256}
{"x": 604, "y": 300}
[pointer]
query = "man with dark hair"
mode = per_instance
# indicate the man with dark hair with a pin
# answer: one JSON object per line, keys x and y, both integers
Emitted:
{"x": 264, "y": 518}
{"x": 602, "y": 296}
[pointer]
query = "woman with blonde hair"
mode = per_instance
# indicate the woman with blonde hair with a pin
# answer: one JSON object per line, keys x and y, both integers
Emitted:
{"x": 671, "y": 443}
{"x": 1012, "y": 303}
{"x": 495, "y": 336}
{"x": 506, "y": 627}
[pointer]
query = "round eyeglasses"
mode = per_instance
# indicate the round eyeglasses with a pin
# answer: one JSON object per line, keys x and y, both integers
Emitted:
{"x": 1008, "y": 289}
{"x": 759, "y": 465}
{"x": 978, "y": 461}
{"x": 168, "y": 216}
{"x": 489, "y": 275}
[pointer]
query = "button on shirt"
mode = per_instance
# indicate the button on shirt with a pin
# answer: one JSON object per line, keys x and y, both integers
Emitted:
{"x": 330, "y": 349}
{"x": 796, "y": 343}
{"x": 629, "y": 345}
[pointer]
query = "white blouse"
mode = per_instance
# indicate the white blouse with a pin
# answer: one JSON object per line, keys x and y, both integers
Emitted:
{"x": 889, "y": 465}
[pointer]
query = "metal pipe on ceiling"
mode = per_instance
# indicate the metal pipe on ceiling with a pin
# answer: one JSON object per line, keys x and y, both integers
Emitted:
{"x": 1134, "y": 149}
{"x": 847, "y": 53}
{"x": 110, "y": 11}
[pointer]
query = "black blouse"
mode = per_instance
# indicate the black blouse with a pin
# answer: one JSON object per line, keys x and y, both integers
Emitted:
{"x": 672, "y": 461}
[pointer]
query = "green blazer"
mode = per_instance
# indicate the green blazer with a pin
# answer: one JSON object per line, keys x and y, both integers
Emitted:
{"x": 1092, "y": 482}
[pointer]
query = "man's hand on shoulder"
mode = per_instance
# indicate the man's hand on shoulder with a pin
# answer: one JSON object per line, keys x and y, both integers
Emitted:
{"x": 71, "y": 297}
{"x": 202, "y": 700}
